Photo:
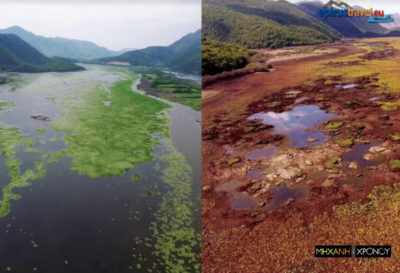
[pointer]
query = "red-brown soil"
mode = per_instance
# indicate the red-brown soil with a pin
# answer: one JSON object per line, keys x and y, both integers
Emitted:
{"x": 228, "y": 137}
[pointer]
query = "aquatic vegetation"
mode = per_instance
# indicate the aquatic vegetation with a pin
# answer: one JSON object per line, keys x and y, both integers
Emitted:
{"x": 136, "y": 177}
{"x": 54, "y": 157}
{"x": 105, "y": 141}
{"x": 234, "y": 160}
{"x": 390, "y": 106}
{"x": 55, "y": 138}
{"x": 108, "y": 141}
{"x": 6, "y": 106}
{"x": 385, "y": 70}
{"x": 395, "y": 165}
{"x": 347, "y": 143}
{"x": 332, "y": 162}
{"x": 177, "y": 243}
{"x": 40, "y": 130}
{"x": 334, "y": 125}
{"x": 10, "y": 141}
{"x": 395, "y": 137}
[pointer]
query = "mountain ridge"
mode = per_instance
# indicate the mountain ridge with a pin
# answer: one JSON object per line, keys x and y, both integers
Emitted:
{"x": 351, "y": 27}
{"x": 183, "y": 55}
{"x": 16, "y": 55}
{"x": 61, "y": 47}
{"x": 267, "y": 24}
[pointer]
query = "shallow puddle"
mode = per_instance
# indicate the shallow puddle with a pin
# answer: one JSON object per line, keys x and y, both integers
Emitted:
{"x": 240, "y": 201}
{"x": 229, "y": 186}
{"x": 348, "y": 86}
{"x": 293, "y": 92}
{"x": 357, "y": 153}
{"x": 318, "y": 176}
{"x": 282, "y": 193}
{"x": 297, "y": 124}
{"x": 255, "y": 174}
{"x": 302, "y": 99}
{"x": 263, "y": 153}
{"x": 375, "y": 98}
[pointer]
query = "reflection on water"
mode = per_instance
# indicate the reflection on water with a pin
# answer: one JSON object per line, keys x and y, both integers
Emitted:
{"x": 296, "y": 124}
{"x": 357, "y": 154}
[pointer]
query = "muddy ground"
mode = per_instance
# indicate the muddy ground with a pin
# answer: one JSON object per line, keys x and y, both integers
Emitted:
{"x": 296, "y": 143}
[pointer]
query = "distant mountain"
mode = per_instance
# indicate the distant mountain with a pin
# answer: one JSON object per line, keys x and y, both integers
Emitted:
{"x": 183, "y": 55}
{"x": 61, "y": 47}
{"x": 256, "y": 24}
{"x": 394, "y": 24}
{"x": 355, "y": 27}
{"x": 16, "y": 55}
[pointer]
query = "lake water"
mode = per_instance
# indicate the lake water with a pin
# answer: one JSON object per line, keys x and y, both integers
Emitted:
{"x": 71, "y": 223}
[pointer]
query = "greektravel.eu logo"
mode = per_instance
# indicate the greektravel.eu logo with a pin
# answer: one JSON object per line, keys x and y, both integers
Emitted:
{"x": 337, "y": 8}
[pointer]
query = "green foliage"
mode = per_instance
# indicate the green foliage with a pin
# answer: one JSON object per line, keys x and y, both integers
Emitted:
{"x": 218, "y": 57}
{"x": 174, "y": 89}
{"x": 183, "y": 56}
{"x": 254, "y": 24}
{"x": 61, "y": 65}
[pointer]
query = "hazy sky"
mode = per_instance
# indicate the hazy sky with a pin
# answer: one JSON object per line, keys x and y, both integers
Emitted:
{"x": 389, "y": 6}
{"x": 112, "y": 24}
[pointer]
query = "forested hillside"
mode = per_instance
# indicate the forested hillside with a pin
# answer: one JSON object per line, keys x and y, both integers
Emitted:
{"x": 255, "y": 24}
{"x": 219, "y": 57}
{"x": 18, "y": 56}
{"x": 183, "y": 55}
